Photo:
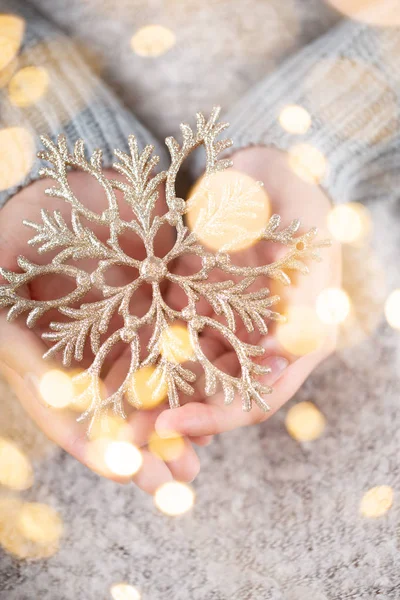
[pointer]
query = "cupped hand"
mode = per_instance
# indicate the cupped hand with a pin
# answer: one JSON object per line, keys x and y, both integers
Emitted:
{"x": 291, "y": 197}
{"x": 21, "y": 349}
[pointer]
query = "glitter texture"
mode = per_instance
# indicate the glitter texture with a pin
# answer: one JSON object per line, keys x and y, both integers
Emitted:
{"x": 229, "y": 299}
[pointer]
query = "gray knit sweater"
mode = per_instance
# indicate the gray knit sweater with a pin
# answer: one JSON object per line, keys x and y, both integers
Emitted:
{"x": 274, "y": 518}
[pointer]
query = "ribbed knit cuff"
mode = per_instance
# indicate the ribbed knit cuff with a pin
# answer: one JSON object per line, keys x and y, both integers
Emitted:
{"x": 76, "y": 101}
{"x": 348, "y": 81}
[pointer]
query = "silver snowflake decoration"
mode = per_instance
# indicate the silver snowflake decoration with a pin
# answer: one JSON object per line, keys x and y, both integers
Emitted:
{"x": 75, "y": 242}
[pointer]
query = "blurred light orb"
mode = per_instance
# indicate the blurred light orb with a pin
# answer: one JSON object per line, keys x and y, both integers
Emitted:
{"x": 124, "y": 591}
{"x": 303, "y": 332}
{"x": 175, "y": 344}
{"x": 148, "y": 388}
{"x": 8, "y": 72}
{"x": 333, "y": 306}
{"x": 349, "y": 223}
{"x": 305, "y": 422}
{"x": 16, "y": 470}
{"x": 392, "y": 309}
{"x": 40, "y": 523}
{"x": 228, "y": 210}
{"x": 123, "y": 458}
{"x": 108, "y": 426}
{"x": 28, "y": 86}
{"x": 295, "y": 119}
{"x": 167, "y": 448}
{"x": 376, "y": 501}
{"x": 368, "y": 11}
{"x": 11, "y": 33}
{"x": 174, "y": 498}
{"x": 307, "y": 162}
{"x": 15, "y": 542}
{"x": 153, "y": 40}
{"x": 56, "y": 389}
{"x": 17, "y": 153}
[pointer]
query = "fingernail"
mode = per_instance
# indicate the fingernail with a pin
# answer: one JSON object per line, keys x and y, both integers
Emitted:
{"x": 277, "y": 364}
{"x": 163, "y": 431}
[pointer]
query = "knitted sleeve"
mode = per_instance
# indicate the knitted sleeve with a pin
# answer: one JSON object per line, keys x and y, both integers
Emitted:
{"x": 48, "y": 87}
{"x": 334, "y": 106}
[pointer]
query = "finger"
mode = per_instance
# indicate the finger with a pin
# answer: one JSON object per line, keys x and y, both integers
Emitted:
{"x": 22, "y": 365}
{"x": 214, "y": 417}
{"x": 187, "y": 465}
{"x": 152, "y": 474}
{"x": 202, "y": 440}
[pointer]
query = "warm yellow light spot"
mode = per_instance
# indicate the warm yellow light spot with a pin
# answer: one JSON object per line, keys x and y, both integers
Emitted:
{"x": 377, "y": 501}
{"x": 123, "y": 458}
{"x": 15, "y": 541}
{"x": 148, "y": 388}
{"x": 17, "y": 153}
{"x": 124, "y": 591}
{"x": 11, "y": 33}
{"x": 8, "y": 72}
{"x": 28, "y": 86}
{"x": 307, "y": 162}
{"x": 153, "y": 40}
{"x": 305, "y": 422}
{"x": 15, "y": 468}
{"x": 56, "y": 389}
{"x": 167, "y": 448}
{"x": 302, "y": 332}
{"x": 228, "y": 210}
{"x": 349, "y": 223}
{"x": 333, "y": 306}
{"x": 108, "y": 426}
{"x": 175, "y": 345}
{"x": 295, "y": 119}
{"x": 392, "y": 309}
{"x": 40, "y": 523}
{"x": 82, "y": 394}
{"x": 174, "y": 498}
{"x": 369, "y": 11}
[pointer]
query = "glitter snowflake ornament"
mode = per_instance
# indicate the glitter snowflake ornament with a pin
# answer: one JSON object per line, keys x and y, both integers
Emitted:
{"x": 85, "y": 324}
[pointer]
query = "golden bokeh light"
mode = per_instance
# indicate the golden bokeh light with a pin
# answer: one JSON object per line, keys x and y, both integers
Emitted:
{"x": 305, "y": 422}
{"x": 8, "y": 72}
{"x": 167, "y": 448}
{"x": 16, "y": 470}
{"x": 392, "y": 309}
{"x": 17, "y": 153}
{"x": 124, "y": 591}
{"x": 108, "y": 426}
{"x": 148, "y": 388}
{"x": 123, "y": 458}
{"x": 174, "y": 498}
{"x": 333, "y": 306}
{"x": 40, "y": 523}
{"x": 56, "y": 389}
{"x": 349, "y": 223}
{"x": 175, "y": 344}
{"x": 153, "y": 40}
{"x": 82, "y": 396}
{"x": 376, "y": 501}
{"x": 228, "y": 210}
{"x": 11, "y": 33}
{"x": 369, "y": 11}
{"x": 295, "y": 119}
{"x": 307, "y": 162}
{"x": 28, "y": 85}
{"x": 303, "y": 332}
{"x": 15, "y": 542}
